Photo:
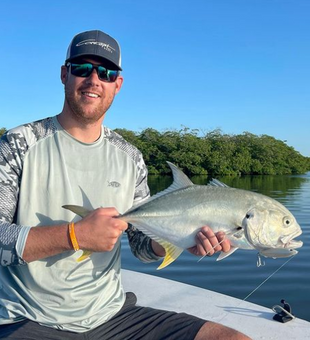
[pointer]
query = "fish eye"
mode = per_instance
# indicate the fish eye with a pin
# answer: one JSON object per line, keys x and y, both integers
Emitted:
{"x": 287, "y": 221}
{"x": 249, "y": 215}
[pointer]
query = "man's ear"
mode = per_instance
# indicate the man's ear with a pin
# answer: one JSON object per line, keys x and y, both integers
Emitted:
{"x": 119, "y": 83}
{"x": 64, "y": 74}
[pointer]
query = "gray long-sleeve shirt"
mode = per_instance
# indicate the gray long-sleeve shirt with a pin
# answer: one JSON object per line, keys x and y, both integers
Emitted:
{"x": 42, "y": 167}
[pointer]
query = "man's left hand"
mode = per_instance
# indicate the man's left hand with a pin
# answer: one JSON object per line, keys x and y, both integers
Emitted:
{"x": 208, "y": 242}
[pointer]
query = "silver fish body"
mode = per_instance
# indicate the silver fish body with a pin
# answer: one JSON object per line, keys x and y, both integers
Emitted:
{"x": 250, "y": 220}
{"x": 177, "y": 216}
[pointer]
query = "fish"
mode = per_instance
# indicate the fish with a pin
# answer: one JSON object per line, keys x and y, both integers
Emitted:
{"x": 174, "y": 216}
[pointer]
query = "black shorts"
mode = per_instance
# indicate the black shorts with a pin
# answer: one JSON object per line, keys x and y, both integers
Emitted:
{"x": 132, "y": 322}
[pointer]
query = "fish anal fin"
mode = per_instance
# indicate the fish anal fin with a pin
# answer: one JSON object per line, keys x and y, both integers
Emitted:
{"x": 172, "y": 253}
{"x": 223, "y": 255}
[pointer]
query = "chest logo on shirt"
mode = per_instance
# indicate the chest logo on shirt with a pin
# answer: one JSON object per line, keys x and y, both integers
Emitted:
{"x": 114, "y": 184}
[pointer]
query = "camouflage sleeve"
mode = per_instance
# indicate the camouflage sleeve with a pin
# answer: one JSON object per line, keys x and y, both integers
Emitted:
{"x": 140, "y": 244}
{"x": 10, "y": 173}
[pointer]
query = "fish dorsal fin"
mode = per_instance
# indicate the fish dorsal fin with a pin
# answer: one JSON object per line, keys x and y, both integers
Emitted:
{"x": 216, "y": 183}
{"x": 180, "y": 180}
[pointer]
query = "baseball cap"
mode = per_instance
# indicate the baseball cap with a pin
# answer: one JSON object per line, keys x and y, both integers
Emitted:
{"x": 95, "y": 43}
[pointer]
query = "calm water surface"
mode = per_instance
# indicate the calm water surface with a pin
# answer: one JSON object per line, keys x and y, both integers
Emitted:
{"x": 238, "y": 274}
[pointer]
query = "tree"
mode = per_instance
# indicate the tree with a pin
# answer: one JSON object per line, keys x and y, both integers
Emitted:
{"x": 215, "y": 153}
{"x": 2, "y": 131}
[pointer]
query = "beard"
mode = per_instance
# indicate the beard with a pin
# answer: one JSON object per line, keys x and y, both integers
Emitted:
{"x": 85, "y": 112}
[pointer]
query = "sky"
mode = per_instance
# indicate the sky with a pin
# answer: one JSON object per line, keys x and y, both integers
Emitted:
{"x": 235, "y": 65}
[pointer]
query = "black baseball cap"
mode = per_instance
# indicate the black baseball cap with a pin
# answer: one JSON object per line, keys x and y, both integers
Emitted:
{"x": 95, "y": 43}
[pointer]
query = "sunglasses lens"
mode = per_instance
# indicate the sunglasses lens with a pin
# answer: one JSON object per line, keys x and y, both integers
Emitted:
{"x": 107, "y": 75}
{"x": 81, "y": 70}
{"x": 85, "y": 70}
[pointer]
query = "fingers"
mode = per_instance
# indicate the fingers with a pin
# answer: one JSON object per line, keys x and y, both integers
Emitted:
{"x": 104, "y": 215}
{"x": 208, "y": 242}
{"x": 112, "y": 212}
{"x": 225, "y": 244}
{"x": 100, "y": 230}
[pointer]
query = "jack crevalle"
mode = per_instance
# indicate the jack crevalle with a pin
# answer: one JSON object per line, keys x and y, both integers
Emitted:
{"x": 174, "y": 216}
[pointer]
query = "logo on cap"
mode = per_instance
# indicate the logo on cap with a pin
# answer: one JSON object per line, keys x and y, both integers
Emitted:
{"x": 107, "y": 47}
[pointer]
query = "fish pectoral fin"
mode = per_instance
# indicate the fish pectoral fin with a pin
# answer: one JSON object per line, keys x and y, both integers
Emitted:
{"x": 86, "y": 254}
{"x": 223, "y": 255}
{"x": 81, "y": 211}
{"x": 172, "y": 253}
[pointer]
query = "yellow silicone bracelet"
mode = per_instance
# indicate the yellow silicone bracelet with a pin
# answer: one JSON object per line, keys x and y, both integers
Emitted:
{"x": 73, "y": 237}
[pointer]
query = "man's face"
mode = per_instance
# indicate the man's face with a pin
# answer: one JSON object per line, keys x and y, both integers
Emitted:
{"x": 88, "y": 98}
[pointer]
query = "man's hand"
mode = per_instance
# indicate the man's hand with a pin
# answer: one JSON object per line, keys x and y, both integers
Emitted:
{"x": 208, "y": 242}
{"x": 100, "y": 230}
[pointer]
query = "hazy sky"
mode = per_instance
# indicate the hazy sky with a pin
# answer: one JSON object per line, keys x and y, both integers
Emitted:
{"x": 237, "y": 65}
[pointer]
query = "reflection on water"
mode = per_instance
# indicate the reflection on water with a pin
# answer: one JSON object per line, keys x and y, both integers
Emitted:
{"x": 238, "y": 275}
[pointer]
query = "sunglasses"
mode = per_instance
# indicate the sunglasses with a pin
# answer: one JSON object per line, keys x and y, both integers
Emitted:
{"x": 84, "y": 70}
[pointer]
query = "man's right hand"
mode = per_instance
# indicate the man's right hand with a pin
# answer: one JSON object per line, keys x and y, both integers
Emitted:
{"x": 99, "y": 230}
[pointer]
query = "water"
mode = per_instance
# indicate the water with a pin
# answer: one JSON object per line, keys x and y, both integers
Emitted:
{"x": 238, "y": 274}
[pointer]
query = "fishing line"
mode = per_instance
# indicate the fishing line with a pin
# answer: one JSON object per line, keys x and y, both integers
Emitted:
{"x": 253, "y": 291}
{"x": 207, "y": 253}
{"x": 269, "y": 277}
{"x": 241, "y": 301}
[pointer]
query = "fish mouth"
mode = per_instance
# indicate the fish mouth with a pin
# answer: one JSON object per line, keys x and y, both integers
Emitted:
{"x": 289, "y": 242}
{"x": 294, "y": 244}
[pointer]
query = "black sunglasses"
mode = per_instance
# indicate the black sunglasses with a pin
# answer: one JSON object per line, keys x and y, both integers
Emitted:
{"x": 84, "y": 70}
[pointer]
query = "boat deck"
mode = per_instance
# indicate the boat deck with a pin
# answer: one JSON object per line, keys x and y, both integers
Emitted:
{"x": 253, "y": 320}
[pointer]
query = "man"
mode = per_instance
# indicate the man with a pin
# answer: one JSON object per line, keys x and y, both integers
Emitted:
{"x": 71, "y": 159}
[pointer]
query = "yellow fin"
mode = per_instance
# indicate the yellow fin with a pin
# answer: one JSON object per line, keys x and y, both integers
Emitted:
{"x": 172, "y": 253}
{"x": 84, "y": 256}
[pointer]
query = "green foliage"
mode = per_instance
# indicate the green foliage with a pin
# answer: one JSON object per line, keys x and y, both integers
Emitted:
{"x": 215, "y": 153}
{"x": 2, "y": 131}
